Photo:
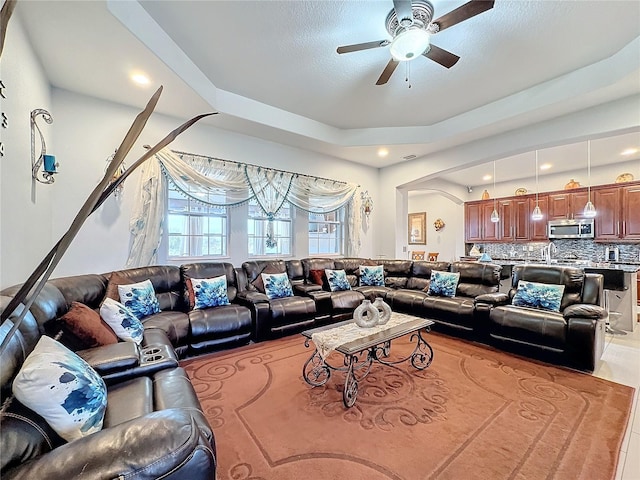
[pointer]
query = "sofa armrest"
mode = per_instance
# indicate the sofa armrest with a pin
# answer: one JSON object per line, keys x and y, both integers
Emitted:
{"x": 248, "y": 296}
{"x": 487, "y": 301}
{"x": 150, "y": 446}
{"x": 111, "y": 358}
{"x": 305, "y": 288}
{"x": 584, "y": 310}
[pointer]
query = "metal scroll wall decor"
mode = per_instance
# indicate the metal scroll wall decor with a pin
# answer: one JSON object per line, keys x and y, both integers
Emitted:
{"x": 47, "y": 162}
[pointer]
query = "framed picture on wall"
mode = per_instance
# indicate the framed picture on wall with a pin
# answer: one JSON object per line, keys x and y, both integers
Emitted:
{"x": 418, "y": 228}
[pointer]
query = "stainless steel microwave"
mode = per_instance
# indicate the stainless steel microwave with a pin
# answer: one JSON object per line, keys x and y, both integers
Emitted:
{"x": 578, "y": 228}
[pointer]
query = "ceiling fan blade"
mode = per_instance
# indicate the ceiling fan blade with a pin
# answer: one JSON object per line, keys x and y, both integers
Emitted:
{"x": 362, "y": 46}
{"x": 403, "y": 10}
{"x": 441, "y": 56}
{"x": 464, "y": 12}
{"x": 388, "y": 70}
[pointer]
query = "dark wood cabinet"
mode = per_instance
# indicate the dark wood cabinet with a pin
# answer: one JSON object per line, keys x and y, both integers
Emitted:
{"x": 567, "y": 204}
{"x": 631, "y": 212}
{"x": 617, "y": 218}
{"x": 538, "y": 228}
{"x": 608, "y": 209}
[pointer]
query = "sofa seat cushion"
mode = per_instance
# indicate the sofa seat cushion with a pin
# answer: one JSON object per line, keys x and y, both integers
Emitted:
{"x": 405, "y": 300}
{"x": 345, "y": 301}
{"x": 291, "y": 310}
{"x": 371, "y": 292}
{"x": 542, "y": 328}
{"x": 174, "y": 324}
{"x": 219, "y": 322}
{"x": 128, "y": 400}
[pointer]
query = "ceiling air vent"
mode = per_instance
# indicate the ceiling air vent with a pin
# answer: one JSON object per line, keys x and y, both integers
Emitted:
{"x": 409, "y": 157}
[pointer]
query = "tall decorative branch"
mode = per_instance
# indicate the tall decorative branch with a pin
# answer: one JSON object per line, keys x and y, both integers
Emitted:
{"x": 97, "y": 197}
{"x": 5, "y": 15}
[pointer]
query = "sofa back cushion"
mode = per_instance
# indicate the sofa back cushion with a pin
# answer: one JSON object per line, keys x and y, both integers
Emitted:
{"x": 571, "y": 277}
{"x": 477, "y": 278}
{"x": 351, "y": 266}
{"x": 421, "y": 273}
{"x": 166, "y": 281}
{"x": 396, "y": 272}
{"x": 254, "y": 268}
{"x": 208, "y": 270}
{"x": 295, "y": 271}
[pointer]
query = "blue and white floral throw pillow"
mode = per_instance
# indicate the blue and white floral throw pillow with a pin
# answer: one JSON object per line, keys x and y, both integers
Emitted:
{"x": 210, "y": 292}
{"x": 140, "y": 298}
{"x": 62, "y": 388}
{"x": 443, "y": 284}
{"x": 122, "y": 321}
{"x": 538, "y": 295}
{"x": 372, "y": 275}
{"x": 277, "y": 285}
{"x": 338, "y": 280}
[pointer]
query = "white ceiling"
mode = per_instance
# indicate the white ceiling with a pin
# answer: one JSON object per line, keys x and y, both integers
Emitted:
{"x": 271, "y": 69}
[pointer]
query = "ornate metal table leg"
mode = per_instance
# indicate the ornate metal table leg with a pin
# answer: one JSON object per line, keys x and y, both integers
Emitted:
{"x": 423, "y": 354}
{"x": 350, "y": 392}
{"x": 315, "y": 372}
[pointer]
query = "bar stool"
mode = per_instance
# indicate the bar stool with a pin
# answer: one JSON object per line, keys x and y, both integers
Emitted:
{"x": 417, "y": 255}
{"x": 433, "y": 256}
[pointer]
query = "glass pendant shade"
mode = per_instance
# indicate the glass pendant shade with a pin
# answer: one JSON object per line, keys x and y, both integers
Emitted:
{"x": 409, "y": 44}
{"x": 537, "y": 215}
{"x": 589, "y": 210}
{"x": 495, "y": 218}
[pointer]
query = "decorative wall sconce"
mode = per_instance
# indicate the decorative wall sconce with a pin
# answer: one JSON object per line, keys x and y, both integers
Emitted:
{"x": 47, "y": 162}
{"x": 118, "y": 173}
{"x": 367, "y": 203}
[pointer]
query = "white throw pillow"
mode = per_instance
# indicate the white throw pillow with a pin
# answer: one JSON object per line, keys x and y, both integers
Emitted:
{"x": 62, "y": 388}
{"x": 122, "y": 321}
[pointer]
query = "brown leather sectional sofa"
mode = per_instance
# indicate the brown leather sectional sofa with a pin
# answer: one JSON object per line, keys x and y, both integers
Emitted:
{"x": 152, "y": 410}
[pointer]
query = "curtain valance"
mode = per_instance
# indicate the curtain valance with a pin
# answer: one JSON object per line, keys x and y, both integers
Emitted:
{"x": 226, "y": 183}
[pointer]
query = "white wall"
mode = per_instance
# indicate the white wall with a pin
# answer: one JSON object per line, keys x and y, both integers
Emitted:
{"x": 88, "y": 130}
{"x": 25, "y": 206}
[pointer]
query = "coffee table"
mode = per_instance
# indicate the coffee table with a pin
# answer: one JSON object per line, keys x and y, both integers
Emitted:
{"x": 361, "y": 353}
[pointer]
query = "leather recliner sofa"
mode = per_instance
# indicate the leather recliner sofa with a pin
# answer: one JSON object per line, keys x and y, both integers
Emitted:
{"x": 574, "y": 335}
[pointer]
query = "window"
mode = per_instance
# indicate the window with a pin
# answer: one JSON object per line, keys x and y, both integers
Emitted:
{"x": 258, "y": 231}
{"x": 195, "y": 229}
{"x": 326, "y": 232}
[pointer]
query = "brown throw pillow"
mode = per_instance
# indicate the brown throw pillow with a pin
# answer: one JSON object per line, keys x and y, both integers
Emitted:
{"x": 317, "y": 276}
{"x": 258, "y": 283}
{"x": 112, "y": 287}
{"x": 190, "y": 293}
{"x": 87, "y": 326}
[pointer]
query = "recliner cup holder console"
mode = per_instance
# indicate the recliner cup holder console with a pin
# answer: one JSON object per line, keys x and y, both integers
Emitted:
{"x": 152, "y": 354}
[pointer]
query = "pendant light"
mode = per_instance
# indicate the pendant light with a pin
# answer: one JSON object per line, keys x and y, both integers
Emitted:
{"x": 537, "y": 215}
{"x": 495, "y": 218}
{"x": 589, "y": 208}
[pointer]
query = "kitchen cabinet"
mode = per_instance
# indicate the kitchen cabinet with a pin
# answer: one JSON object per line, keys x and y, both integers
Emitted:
{"x": 608, "y": 209}
{"x": 567, "y": 204}
{"x": 631, "y": 212}
{"x": 478, "y": 224}
{"x": 522, "y": 218}
{"x": 538, "y": 231}
{"x": 506, "y": 227}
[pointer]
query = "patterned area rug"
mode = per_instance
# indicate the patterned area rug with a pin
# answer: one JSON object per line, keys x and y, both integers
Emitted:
{"x": 475, "y": 413}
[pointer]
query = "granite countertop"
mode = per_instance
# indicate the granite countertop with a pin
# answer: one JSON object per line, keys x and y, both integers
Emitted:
{"x": 627, "y": 267}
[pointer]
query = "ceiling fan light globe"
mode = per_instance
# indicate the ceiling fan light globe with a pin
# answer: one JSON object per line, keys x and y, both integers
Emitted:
{"x": 409, "y": 44}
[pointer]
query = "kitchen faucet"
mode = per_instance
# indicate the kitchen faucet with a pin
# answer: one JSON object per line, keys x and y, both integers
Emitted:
{"x": 548, "y": 251}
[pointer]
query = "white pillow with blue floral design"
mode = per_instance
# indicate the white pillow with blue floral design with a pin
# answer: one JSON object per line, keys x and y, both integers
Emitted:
{"x": 122, "y": 321}
{"x": 277, "y": 285}
{"x": 538, "y": 295}
{"x": 140, "y": 298}
{"x": 63, "y": 389}
{"x": 210, "y": 292}
{"x": 443, "y": 284}
{"x": 373, "y": 276}
{"x": 338, "y": 280}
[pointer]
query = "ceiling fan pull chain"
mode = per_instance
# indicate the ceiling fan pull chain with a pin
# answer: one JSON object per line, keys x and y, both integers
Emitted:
{"x": 407, "y": 77}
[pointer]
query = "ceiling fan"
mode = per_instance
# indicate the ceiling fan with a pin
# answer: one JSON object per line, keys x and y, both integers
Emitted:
{"x": 410, "y": 26}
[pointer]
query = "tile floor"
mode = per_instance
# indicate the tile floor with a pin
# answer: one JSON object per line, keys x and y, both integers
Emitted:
{"x": 621, "y": 363}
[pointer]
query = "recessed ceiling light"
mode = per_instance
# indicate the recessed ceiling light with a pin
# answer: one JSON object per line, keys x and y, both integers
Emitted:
{"x": 383, "y": 152}
{"x": 486, "y": 177}
{"x": 629, "y": 151}
{"x": 545, "y": 166}
{"x": 140, "y": 79}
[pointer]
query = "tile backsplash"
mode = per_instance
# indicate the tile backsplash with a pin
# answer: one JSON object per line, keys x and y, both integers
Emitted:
{"x": 567, "y": 249}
